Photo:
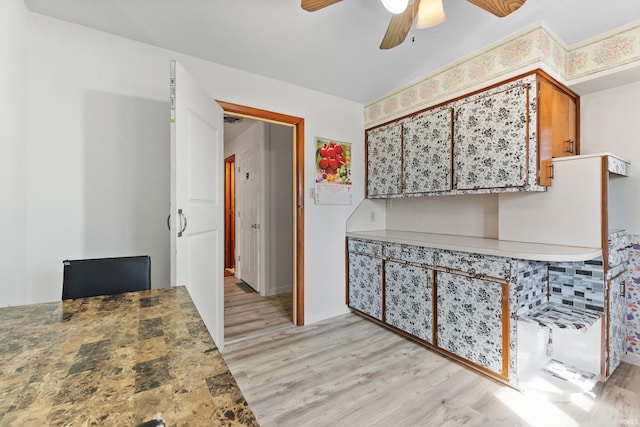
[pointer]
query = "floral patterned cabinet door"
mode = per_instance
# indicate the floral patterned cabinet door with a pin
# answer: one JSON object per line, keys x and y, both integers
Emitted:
{"x": 491, "y": 141}
{"x": 470, "y": 319}
{"x": 617, "y": 320}
{"x": 384, "y": 161}
{"x": 365, "y": 284}
{"x": 409, "y": 299}
{"x": 427, "y": 152}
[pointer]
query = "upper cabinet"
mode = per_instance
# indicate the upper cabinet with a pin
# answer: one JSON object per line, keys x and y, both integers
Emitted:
{"x": 491, "y": 140}
{"x": 427, "y": 152}
{"x": 500, "y": 139}
{"x": 558, "y": 124}
{"x": 384, "y": 161}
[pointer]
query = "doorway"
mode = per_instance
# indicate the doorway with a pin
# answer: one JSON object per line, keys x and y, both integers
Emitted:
{"x": 297, "y": 205}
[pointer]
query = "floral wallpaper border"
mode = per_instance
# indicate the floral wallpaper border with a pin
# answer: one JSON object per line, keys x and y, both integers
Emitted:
{"x": 534, "y": 48}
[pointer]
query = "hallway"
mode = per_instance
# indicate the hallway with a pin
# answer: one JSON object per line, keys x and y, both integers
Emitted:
{"x": 247, "y": 313}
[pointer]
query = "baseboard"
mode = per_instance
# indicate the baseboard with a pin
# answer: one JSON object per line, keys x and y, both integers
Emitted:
{"x": 278, "y": 290}
{"x": 632, "y": 358}
{"x": 283, "y": 289}
{"x": 308, "y": 319}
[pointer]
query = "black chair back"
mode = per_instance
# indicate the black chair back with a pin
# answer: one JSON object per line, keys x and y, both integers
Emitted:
{"x": 105, "y": 276}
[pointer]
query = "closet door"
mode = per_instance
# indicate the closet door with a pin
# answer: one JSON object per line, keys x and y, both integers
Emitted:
{"x": 197, "y": 198}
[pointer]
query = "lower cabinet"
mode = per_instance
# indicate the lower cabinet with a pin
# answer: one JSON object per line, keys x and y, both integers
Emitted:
{"x": 412, "y": 289}
{"x": 409, "y": 299}
{"x": 470, "y": 322}
{"x": 365, "y": 284}
{"x": 617, "y": 334}
{"x": 479, "y": 308}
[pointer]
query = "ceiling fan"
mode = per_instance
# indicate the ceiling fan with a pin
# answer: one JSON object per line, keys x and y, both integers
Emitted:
{"x": 428, "y": 12}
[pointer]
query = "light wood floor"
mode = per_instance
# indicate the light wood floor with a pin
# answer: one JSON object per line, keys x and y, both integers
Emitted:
{"x": 248, "y": 313}
{"x": 348, "y": 371}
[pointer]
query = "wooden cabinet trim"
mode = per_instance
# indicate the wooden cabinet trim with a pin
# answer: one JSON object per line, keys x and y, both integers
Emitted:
{"x": 366, "y": 164}
{"x": 434, "y": 303}
{"x": 527, "y": 141}
{"x": 346, "y": 270}
{"x": 604, "y": 216}
{"x": 506, "y": 330}
{"x": 402, "y": 183}
{"x": 384, "y": 292}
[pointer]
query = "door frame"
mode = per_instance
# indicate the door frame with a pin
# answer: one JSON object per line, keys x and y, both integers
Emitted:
{"x": 297, "y": 123}
{"x": 229, "y": 212}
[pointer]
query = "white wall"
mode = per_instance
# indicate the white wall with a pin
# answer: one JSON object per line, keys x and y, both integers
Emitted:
{"x": 609, "y": 122}
{"x": 13, "y": 160}
{"x": 68, "y": 63}
{"x": 568, "y": 213}
{"x": 98, "y": 155}
{"x": 462, "y": 215}
{"x": 251, "y": 130}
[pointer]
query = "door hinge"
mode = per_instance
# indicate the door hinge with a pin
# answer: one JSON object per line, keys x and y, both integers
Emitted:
{"x": 172, "y": 90}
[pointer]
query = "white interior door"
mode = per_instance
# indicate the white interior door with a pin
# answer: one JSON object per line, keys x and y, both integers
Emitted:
{"x": 248, "y": 210}
{"x": 197, "y": 198}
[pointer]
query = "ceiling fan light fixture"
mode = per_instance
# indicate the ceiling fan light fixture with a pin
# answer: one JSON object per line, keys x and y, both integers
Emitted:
{"x": 395, "y": 6}
{"x": 430, "y": 13}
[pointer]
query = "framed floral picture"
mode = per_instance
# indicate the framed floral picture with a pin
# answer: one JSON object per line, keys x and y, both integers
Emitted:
{"x": 333, "y": 172}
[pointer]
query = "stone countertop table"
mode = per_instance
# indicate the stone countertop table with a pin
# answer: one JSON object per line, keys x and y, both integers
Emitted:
{"x": 115, "y": 360}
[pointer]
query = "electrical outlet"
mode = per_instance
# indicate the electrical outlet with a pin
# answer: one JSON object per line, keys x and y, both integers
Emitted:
{"x": 389, "y": 204}
{"x": 372, "y": 216}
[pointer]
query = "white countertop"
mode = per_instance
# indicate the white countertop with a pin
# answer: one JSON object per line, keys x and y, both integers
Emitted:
{"x": 586, "y": 156}
{"x": 480, "y": 245}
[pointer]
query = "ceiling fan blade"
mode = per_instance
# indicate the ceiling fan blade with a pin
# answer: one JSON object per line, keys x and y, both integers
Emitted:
{"x": 399, "y": 26}
{"x": 313, "y": 5}
{"x": 499, "y": 8}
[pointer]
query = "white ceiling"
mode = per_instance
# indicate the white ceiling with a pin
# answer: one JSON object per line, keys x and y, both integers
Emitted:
{"x": 334, "y": 50}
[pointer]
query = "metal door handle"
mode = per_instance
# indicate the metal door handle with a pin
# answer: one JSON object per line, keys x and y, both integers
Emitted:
{"x": 183, "y": 227}
{"x": 570, "y": 145}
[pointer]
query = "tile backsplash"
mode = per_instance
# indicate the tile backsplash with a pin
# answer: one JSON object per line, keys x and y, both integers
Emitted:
{"x": 577, "y": 284}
